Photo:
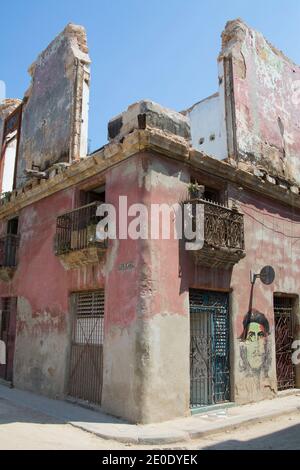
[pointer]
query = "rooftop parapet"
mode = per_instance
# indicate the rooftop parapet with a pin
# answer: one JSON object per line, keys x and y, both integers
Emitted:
{"x": 147, "y": 114}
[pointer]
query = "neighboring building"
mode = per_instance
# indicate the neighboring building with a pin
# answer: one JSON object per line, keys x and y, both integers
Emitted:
{"x": 144, "y": 327}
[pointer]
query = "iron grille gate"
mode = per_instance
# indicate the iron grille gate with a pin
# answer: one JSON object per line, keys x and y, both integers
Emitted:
{"x": 8, "y": 310}
{"x": 86, "y": 364}
{"x": 209, "y": 348}
{"x": 283, "y": 338}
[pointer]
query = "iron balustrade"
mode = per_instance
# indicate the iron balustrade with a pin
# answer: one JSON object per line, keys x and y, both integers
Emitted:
{"x": 223, "y": 227}
{"x": 9, "y": 245}
{"x": 76, "y": 229}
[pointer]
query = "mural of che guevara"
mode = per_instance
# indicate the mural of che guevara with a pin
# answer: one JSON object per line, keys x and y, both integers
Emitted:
{"x": 255, "y": 354}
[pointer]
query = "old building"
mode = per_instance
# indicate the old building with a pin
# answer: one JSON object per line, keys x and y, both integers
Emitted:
{"x": 145, "y": 327}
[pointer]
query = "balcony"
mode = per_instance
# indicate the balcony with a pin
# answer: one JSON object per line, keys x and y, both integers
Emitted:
{"x": 9, "y": 245}
{"x": 75, "y": 240}
{"x": 224, "y": 243}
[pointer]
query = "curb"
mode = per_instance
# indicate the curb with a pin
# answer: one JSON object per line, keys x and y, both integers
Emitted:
{"x": 241, "y": 423}
{"x": 139, "y": 437}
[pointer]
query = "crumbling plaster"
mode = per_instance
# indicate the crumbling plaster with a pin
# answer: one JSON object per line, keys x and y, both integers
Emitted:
{"x": 265, "y": 92}
{"x": 139, "y": 141}
{"x": 42, "y": 286}
{"x": 146, "y": 345}
{"x": 142, "y": 325}
{"x": 54, "y": 122}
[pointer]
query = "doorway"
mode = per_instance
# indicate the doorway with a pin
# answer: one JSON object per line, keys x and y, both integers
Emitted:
{"x": 8, "y": 314}
{"x": 86, "y": 364}
{"x": 284, "y": 329}
{"x": 209, "y": 348}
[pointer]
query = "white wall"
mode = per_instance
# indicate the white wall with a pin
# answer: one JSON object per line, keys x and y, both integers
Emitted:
{"x": 9, "y": 166}
{"x": 207, "y": 119}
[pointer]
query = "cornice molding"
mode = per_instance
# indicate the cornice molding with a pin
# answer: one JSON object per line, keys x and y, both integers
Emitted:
{"x": 148, "y": 140}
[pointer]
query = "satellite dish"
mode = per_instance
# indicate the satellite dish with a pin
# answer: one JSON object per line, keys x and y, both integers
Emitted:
{"x": 267, "y": 275}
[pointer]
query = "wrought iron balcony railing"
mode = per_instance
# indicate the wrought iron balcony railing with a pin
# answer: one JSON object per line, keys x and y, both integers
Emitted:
{"x": 9, "y": 245}
{"x": 224, "y": 243}
{"x": 76, "y": 229}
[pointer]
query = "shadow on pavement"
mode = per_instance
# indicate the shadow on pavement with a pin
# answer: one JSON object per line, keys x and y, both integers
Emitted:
{"x": 286, "y": 439}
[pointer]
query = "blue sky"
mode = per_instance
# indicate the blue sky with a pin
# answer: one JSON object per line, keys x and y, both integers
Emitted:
{"x": 164, "y": 50}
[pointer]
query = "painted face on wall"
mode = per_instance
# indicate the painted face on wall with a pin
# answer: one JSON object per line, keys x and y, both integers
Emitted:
{"x": 255, "y": 344}
{"x": 254, "y": 338}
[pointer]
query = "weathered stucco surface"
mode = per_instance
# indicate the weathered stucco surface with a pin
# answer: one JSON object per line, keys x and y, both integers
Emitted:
{"x": 265, "y": 87}
{"x": 147, "y": 281}
{"x": 272, "y": 234}
{"x": 148, "y": 114}
{"x": 52, "y": 127}
{"x": 43, "y": 288}
{"x": 146, "y": 342}
{"x": 146, "y": 347}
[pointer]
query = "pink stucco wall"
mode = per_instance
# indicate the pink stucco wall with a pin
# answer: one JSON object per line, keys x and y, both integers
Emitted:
{"x": 146, "y": 347}
{"x": 266, "y": 93}
{"x": 272, "y": 237}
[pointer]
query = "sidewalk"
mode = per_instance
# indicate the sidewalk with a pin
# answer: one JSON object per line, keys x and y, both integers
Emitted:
{"x": 170, "y": 432}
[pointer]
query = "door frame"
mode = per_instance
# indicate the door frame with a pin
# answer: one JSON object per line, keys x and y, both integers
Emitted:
{"x": 73, "y": 331}
{"x": 229, "y": 353}
{"x": 7, "y": 370}
{"x": 295, "y": 319}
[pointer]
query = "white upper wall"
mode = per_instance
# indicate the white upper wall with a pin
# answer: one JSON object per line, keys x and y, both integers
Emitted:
{"x": 9, "y": 166}
{"x": 208, "y": 124}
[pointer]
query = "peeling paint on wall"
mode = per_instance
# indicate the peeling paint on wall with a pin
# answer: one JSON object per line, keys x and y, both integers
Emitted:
{"x": 265, "y": 88}
{"x": 54, "y": 123}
